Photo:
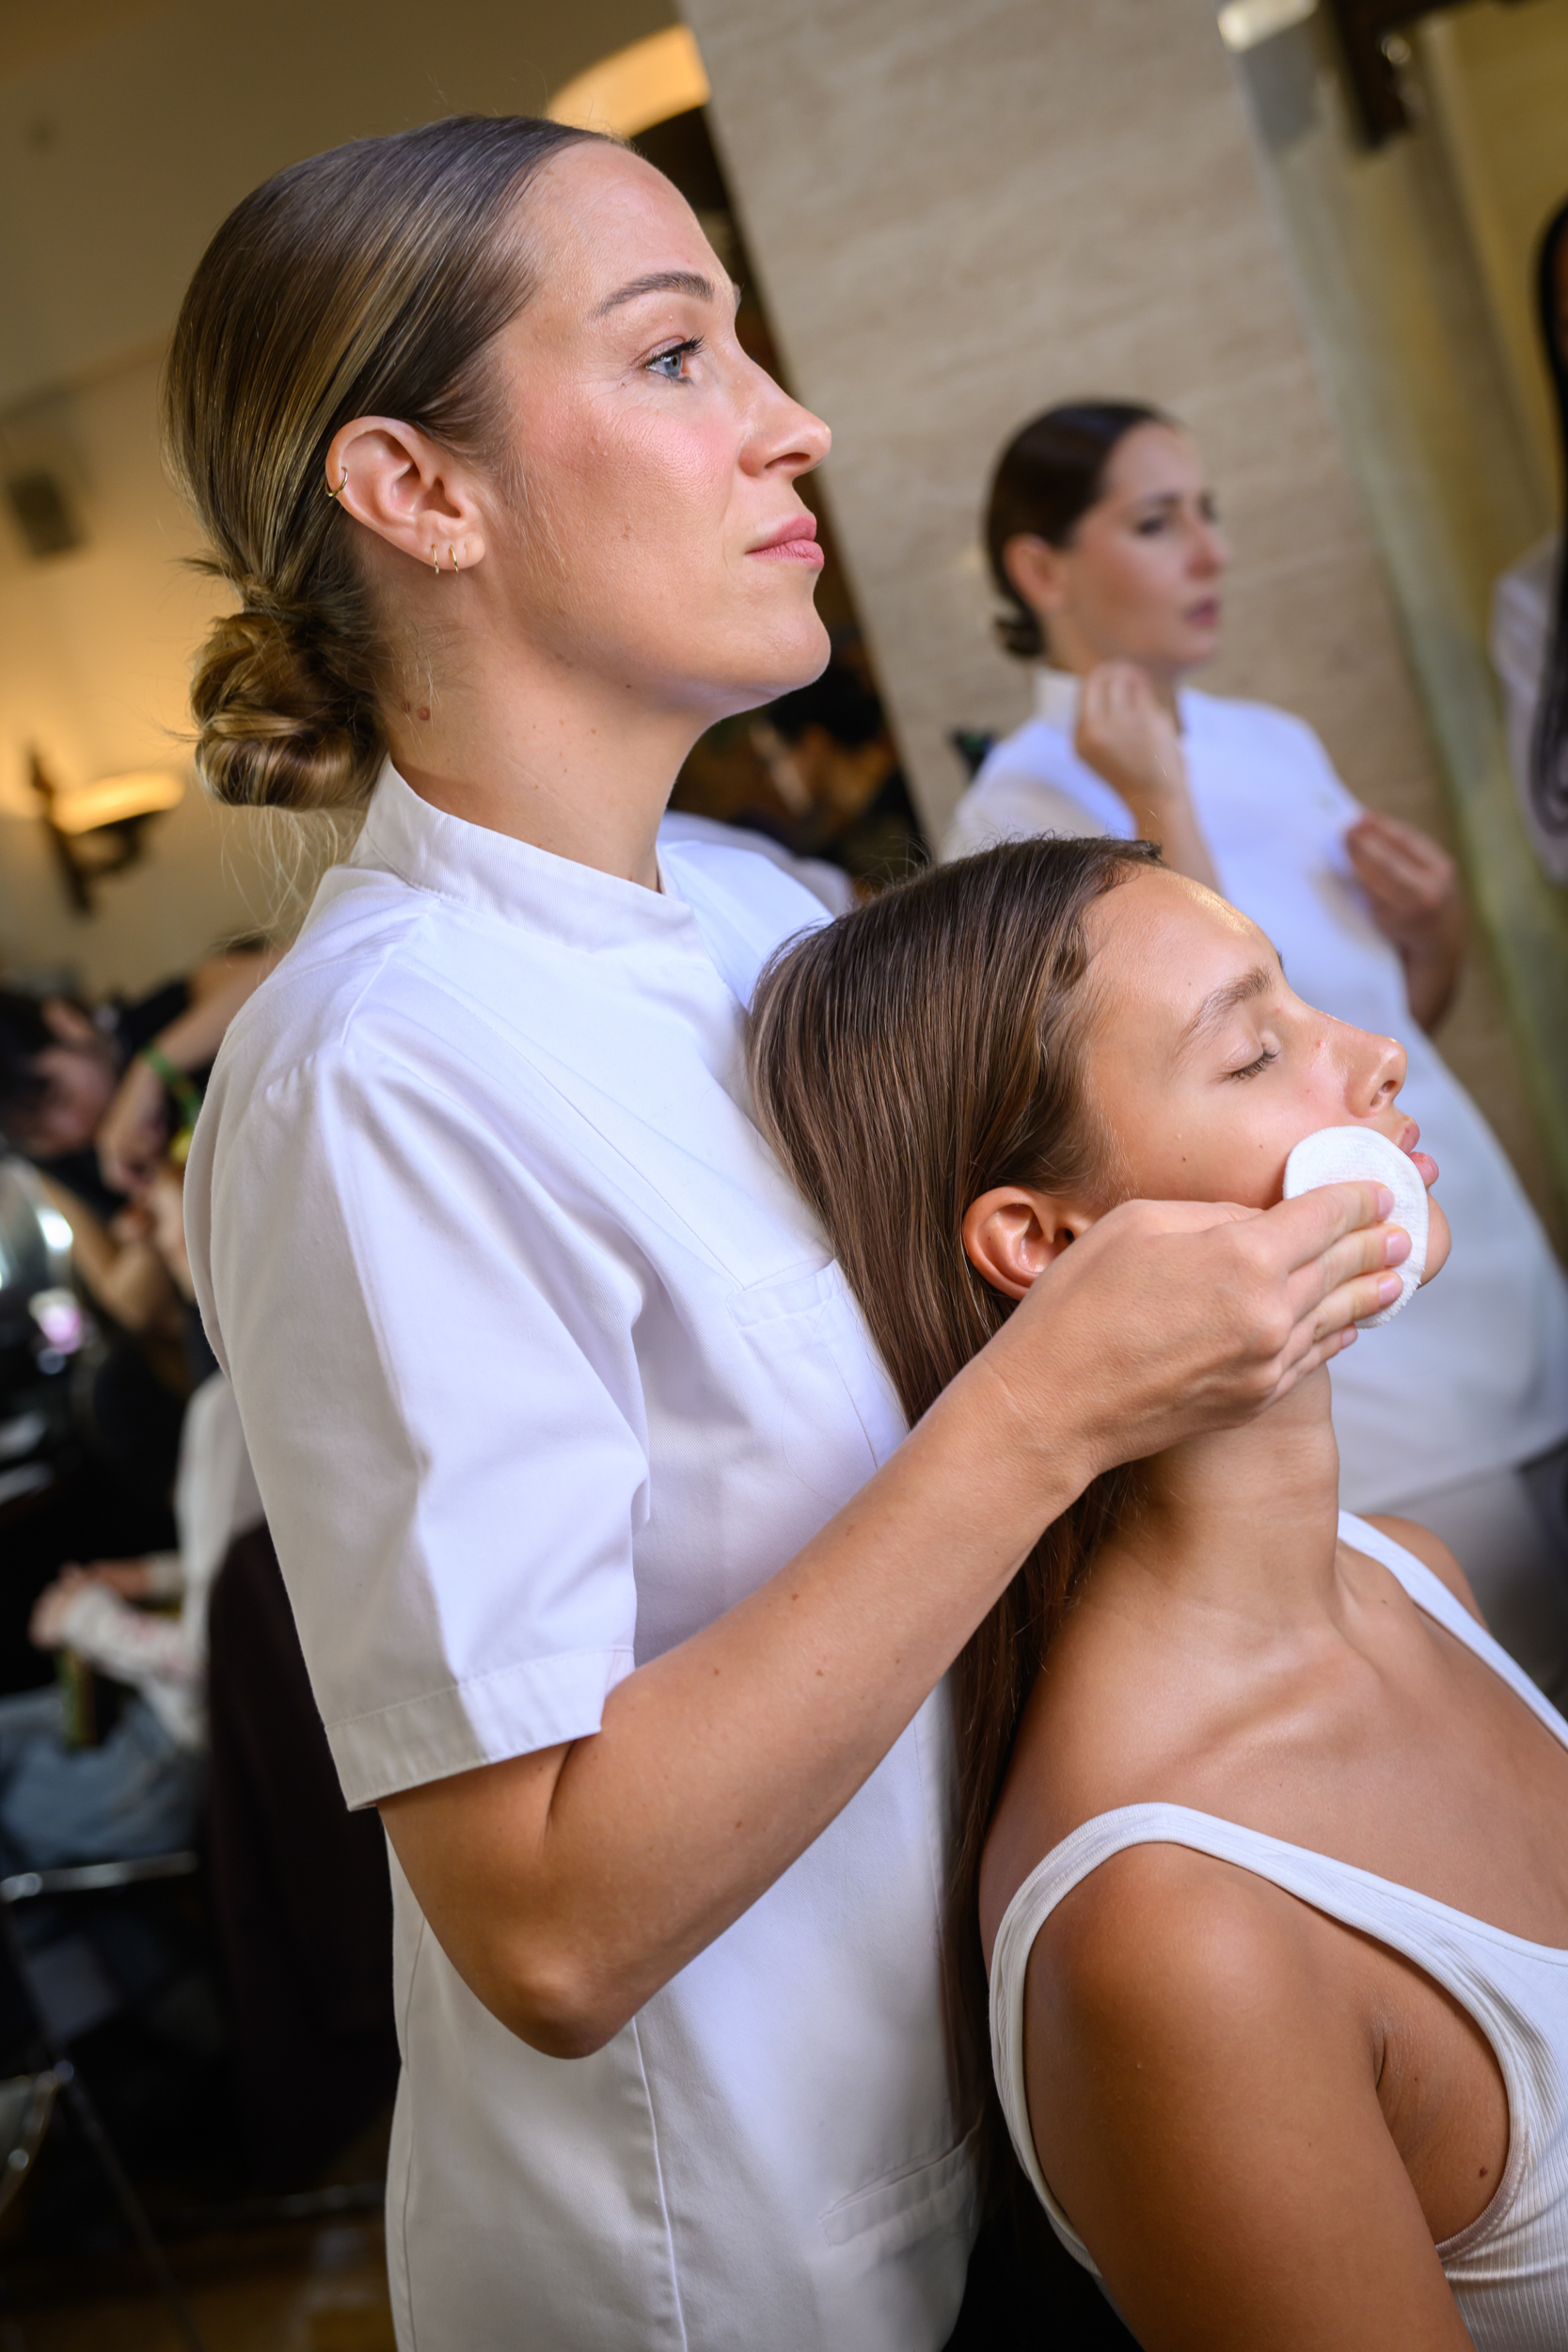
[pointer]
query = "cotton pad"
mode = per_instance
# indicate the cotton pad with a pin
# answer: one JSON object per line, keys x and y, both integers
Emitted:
{"x": 1340, "y": 1155}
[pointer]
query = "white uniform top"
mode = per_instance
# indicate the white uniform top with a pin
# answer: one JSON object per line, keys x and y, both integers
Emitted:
{"x": 1523, "y": 603}
{"x": 214, "y": 1500}
{"x": 543, "y": 1365}
{"x": 1509, "y": 2269}
{"x": 1473, "y": 1376}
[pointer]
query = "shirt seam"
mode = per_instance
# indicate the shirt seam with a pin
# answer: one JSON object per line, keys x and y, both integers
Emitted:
{"x": 408, "y": 2171}
{"x": 663, "y": 2197}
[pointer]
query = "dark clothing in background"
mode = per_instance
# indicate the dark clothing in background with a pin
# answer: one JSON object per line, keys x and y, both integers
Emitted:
{"x": 300, "y": 1887}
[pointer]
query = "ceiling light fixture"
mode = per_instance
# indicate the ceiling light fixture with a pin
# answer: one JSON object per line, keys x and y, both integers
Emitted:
{"x": 632, "y": 89}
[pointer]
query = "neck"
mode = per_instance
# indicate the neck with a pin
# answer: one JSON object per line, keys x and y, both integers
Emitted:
{"x": 1080, "y": 658}
{"x": 537, "y": 747}
{"x": 1239, "y": 1527}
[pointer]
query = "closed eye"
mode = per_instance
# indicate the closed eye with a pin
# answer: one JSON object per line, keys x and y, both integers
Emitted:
{"x": 661, "y": 362}
{"x": 1255, "y": 1069}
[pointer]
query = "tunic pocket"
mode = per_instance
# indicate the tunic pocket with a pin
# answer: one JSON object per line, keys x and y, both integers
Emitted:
{"x": 908, "y": 2206}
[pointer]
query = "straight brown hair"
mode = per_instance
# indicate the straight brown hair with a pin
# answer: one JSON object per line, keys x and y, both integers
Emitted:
{"x": 903, "y": 1061}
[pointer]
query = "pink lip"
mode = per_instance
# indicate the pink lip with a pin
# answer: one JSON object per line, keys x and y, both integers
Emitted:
{"x": 1426, "y": 1165}
{"x": 1203, "y": 615}
{"x": 794, "y": 542}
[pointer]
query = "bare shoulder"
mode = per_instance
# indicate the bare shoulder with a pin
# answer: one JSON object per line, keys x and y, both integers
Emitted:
{"x": 1432, "y": 1553}
{"x": 1201, "y": 2056}
{"x": 1164, "y": 1954}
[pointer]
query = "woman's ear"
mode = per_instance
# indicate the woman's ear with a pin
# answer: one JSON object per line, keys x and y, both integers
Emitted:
{"x": 410, "y": 491}
{"x": 1011, "y": 1235}
{"x": 1035, "y": 568}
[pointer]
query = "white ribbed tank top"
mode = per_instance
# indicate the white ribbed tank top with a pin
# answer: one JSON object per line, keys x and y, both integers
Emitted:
{"x": 1509, "y": 2271}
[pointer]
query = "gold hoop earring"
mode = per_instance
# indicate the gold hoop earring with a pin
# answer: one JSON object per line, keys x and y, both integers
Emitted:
{"x": 434, "y": 560}
{"x": 453, "y": 554}
{"x": 340, "y": 488}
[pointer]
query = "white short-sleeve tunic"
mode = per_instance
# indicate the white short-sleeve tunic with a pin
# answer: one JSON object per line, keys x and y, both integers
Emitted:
{"x": 1474, "y": 1377}
{"x": 543, "y": 1365}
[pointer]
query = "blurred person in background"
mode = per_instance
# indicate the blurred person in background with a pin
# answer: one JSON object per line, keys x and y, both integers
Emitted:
{"x": 1529, "y": 609}
{"x": 62, "y": 1798}
{"x": 92, "y": 1096}
{"x": 1104, "y": 543}
{"x": 811, "y": 780}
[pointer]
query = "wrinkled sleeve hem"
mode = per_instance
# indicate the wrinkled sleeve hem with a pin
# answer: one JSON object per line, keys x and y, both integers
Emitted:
{"x": 538, "y": 1703}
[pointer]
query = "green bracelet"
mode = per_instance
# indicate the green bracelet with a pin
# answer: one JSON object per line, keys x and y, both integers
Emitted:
{"x": 178, "y": 1084}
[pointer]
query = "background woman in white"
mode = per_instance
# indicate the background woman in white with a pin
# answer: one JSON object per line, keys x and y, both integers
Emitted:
{"x": 1103, "y": 538}
{"x": 1530, "y": 613}
{"x": 624, "y": 1591}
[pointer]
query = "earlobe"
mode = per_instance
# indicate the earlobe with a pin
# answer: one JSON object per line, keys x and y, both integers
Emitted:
{"x": 1011, "y": 1234}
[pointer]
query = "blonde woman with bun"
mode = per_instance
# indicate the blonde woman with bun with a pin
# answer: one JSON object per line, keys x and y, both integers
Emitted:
{"x": 626, "y": 1593}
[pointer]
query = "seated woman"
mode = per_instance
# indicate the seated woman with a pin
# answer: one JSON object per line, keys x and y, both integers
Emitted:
{"x": 1262, "y": 1834}
{"x": 139, "y": 1791}
{"x": 1102, "y": 538}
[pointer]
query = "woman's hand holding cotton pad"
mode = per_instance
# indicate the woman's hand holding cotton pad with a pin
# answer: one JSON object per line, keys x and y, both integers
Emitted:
{"x": 1342, "y": 1155}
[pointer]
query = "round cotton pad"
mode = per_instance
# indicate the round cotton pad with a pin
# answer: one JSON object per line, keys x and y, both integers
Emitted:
{"x": 1340, "y": 1155}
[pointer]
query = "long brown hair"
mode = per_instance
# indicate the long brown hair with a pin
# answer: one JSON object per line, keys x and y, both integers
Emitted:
{"x": 905, "y": 1059}
{"x": 366, "y": 282}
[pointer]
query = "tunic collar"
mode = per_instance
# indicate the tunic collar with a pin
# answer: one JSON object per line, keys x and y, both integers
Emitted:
{"x": 1057, "y": 700}
{"x": 495, "y": 874}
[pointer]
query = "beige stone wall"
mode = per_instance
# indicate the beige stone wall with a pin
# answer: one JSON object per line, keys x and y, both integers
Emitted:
{"x": 962, "y": 214}
{"x": 127, "y": 130}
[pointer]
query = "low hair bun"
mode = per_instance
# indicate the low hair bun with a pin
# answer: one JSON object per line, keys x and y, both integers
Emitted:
{"x": 277, "y": 729}
{"x": 1018, "y": 631}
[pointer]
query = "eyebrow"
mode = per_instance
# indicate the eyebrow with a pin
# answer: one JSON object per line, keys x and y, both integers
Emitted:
{"x": 683, "y": 281}
{"x": 1224, "y": 1000}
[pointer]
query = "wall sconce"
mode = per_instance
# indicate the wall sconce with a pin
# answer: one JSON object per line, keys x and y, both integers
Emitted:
{"x": 1371, "y": 43}
{"x": 96, "y": 828}
{"x": 636, "y": 88}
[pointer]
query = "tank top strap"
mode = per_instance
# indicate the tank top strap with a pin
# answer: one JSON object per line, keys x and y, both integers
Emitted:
{"x": 1434, "y": 1598}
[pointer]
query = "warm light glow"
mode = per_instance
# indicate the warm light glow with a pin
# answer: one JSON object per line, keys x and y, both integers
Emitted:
{"x": 636, "y": 88}
{"x": 113, "y": 798}
{"x": 1245, "y": 23}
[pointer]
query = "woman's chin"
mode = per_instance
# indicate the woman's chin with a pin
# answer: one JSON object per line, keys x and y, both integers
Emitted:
{"x": 1439, "y": 1240}
{"x": 791, "y": 658}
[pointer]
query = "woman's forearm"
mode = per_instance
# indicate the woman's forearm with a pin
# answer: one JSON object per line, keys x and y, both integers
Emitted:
{"x": 219, "y": 989}
{"x": 566, "y": 1887}
{"x": 1174, "y": 825}
{"x": 720, "y": 1762}
{"x": 1432, "y": 969}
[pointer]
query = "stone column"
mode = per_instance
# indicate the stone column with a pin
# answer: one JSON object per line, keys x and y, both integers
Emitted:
{"x": 961, "y": 215}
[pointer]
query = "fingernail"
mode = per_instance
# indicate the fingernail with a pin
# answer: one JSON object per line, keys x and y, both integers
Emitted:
{"x": 1396, "y": 1248}
{"x": 1389, "y": 1290}
{"x": 1385, "y": 1203}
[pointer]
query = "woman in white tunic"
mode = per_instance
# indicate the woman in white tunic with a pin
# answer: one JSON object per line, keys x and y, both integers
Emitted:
{"x": 1530, "y": 612}
{"x": 1103, "y": 536}
{"x": 624, "y": 1591}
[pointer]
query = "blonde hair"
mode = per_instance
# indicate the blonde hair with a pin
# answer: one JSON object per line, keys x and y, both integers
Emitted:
{"x": 365, "y": 282}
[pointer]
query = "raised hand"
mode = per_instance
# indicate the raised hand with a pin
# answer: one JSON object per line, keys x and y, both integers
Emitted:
{"x": 1418, "y": 902}
{"x": 1127, "y": 735}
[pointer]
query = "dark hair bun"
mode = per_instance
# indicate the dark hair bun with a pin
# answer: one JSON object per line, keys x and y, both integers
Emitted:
{"x": 277, "y": 729}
